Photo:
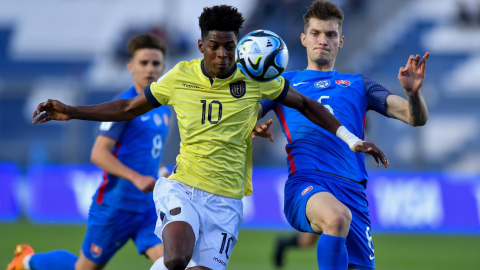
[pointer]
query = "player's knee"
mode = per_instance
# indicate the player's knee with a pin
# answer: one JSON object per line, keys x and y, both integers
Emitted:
{"x": 338, "y": 223}
{"x": 176, "y": 262}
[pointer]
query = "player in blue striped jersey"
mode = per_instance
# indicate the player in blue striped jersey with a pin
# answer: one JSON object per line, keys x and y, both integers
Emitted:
{"x": 325, "y": 191}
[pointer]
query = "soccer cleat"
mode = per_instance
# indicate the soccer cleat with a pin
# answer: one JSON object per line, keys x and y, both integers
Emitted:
{"x": 280, "y": 247}
{"x": 20, "y": 253}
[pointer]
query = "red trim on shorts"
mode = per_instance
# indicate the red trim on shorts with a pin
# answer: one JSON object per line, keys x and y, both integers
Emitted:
{"x": 283, "y": 122}
{"x": 101, "y": 189}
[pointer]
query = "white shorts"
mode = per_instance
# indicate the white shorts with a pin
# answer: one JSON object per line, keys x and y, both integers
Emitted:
{"x": 215, "y": 220}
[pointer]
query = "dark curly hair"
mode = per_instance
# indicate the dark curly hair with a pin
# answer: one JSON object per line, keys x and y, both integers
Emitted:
{"x": 323, "y": 10}
{"x": 146, "y": 41}
{"x": 220, "y": 18}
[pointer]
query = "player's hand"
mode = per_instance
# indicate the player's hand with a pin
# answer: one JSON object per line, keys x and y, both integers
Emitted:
{"x": 371, "y": 149}
{"x": 412, "y": 75}
{"x": 54, "y": 110}
{"x": 262, "y": 130}
{"x": 144, "y": 183}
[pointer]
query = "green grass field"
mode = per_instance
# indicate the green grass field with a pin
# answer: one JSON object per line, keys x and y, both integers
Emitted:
{"x": 254, "y": 250}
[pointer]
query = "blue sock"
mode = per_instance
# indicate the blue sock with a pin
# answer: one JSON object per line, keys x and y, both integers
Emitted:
{"x": 332, "y": 253}
{"x": 53, "y": 260}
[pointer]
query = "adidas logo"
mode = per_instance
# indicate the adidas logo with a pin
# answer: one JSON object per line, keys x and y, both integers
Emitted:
{"x": 269, "y": 43}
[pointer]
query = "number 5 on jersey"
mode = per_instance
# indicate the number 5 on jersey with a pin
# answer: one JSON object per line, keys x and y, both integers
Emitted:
{"x": 210, "y": 109}
{"x": 326, "y": 106}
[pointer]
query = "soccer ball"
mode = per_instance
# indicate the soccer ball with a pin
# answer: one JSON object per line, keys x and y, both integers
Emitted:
{"x": 262, "y": 55}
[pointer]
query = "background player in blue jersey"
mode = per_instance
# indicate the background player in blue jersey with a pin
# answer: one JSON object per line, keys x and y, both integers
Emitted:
{"x": 325, "y": 192}
{"x": 130, "y": 153}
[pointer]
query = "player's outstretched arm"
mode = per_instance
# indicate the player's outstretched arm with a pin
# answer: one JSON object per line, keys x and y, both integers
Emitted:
{"x": 319, "y": 115}
{"x": 313, "y": 110}
{"x": 414, "y": 111}
{"x": 113, "y": 111}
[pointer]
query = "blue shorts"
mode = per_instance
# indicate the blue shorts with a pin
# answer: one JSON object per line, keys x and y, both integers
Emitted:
{"x": 109, "y": 229}
{"x": 303, "y": 184}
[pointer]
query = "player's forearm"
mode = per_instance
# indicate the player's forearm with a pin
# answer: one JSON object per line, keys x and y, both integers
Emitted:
{"x": 105, "y": 160}
{"x": 311, "y": 109}
{"x": 319, "y": 115}
{"x": 113, "y": 111}
{"x": 417, "y": 108}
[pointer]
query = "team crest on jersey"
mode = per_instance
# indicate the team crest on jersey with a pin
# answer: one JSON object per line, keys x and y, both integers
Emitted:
{"x": 307, "y": 190}
{"x": 322, "y": 84}
{"x": 238, "y": 89}
{"x": 343, "y": 83}
{"x": 157, "y": 119}
{"x": 95, "y": 250}
{"x": 175, "y": 211}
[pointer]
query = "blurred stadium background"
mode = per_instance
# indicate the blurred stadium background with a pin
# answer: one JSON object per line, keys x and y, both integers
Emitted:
{"x": 425, "y": 208}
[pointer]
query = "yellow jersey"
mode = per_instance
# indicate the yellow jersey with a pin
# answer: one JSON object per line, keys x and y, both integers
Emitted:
{"x": 215, "y": 118}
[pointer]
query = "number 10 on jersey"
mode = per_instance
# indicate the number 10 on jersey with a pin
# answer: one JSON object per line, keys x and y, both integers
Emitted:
{"x": 215, "y": 103}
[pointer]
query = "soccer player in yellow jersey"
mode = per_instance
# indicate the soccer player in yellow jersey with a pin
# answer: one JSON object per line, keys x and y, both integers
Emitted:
{"x": 199, "y": 206}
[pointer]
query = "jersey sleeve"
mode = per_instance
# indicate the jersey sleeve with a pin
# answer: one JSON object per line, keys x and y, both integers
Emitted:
{"x": 275, "y": 89}
{"x": 376, "y": 95}
{"x": 112, "y": 130}
{"x": 267, "y": 105}
{"x": 159, "y": 93}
